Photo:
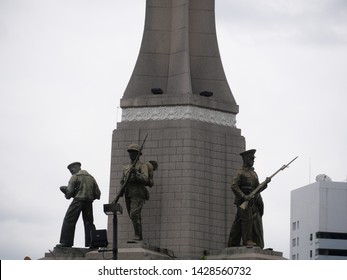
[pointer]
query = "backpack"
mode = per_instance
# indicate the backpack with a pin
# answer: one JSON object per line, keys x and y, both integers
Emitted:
{"x": 152, "y": 166}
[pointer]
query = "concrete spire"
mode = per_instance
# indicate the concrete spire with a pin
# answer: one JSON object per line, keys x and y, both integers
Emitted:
{"x": 179, "y": 54}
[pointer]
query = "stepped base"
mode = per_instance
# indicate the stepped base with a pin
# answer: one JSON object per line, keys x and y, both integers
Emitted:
{"x": 68, "y": 253}
{"x": 244, "y": 253}
{"x": 132, "y": 251}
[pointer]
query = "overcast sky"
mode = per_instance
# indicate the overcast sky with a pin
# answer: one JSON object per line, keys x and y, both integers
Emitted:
{"x": 64, "y": 66}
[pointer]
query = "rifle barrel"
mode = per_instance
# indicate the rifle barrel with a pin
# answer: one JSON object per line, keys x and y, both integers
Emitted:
{"x": 257, "y": 189}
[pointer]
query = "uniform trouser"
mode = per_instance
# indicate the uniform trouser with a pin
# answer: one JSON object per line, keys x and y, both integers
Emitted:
{"x": 71, "y": 218}
{"x": 246, "y": 226}
{"x": 235, "y": 232}
{"x": 134, "y": 207}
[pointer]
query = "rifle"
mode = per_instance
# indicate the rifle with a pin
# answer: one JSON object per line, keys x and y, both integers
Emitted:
{"x": 127, "y": 177}
{"x": 267, "y": 180}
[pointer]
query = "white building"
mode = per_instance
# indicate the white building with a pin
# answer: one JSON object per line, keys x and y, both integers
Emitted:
{"x": 318, "y": 216}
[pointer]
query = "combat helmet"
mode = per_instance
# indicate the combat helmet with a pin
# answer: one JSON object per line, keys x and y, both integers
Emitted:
{"x": 134, "y": 147}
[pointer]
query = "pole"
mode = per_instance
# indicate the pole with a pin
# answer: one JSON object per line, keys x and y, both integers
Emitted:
{"x": 114, "y": 209}
{"x": 115, "y": 237}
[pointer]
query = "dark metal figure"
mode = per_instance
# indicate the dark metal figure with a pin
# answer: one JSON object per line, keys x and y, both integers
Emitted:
{"x": 136, "y": 174}
{"x": 247, "y": 228}
{"x": 84, "y": 190}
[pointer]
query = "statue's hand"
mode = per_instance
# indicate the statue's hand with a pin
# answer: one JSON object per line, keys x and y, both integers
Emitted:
{"x": 132, "y": 177}
{"x": 63, "y": 189}
{"x": 268, "y": 180}
{"x": 248, "y": 197}
{"x": 132, "y": 174}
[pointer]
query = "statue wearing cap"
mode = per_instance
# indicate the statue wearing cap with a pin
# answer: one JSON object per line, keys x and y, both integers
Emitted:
{"x": 84, "y": 190}
{"x": 135, "y": 192}
{"x": 247, "y": 228}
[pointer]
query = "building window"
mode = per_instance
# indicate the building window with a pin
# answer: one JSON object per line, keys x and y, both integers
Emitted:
{"x": 295, "y": 225}
{"x": 297, "y": 241}
{"x": 311, "y": 254}
{"x": 311, "y": 237}
{"x": 332, "y": 252}
{"x": 293, "y": 242}
{"x": 293, "y": 257}
{"x": 331, "y": 235}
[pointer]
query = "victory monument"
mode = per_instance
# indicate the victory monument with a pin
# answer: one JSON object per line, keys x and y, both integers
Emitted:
{"x": 179, "y": 115}
{"x": 178, "y": 94}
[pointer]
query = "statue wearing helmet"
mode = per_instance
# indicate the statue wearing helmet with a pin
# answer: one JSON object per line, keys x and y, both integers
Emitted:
{"x": 135, "y": 192}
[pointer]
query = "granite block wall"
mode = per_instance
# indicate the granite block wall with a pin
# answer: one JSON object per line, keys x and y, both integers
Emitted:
{"x": 191, "y": 204}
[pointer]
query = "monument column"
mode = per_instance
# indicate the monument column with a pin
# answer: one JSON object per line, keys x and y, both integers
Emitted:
{"x": 179, "y": 95}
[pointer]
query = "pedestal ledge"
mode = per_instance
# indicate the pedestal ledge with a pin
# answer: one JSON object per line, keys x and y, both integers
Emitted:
{"x": 144, "y": 251}
{"x": 132, "y": 251}
{"x": 68, "y": 253}
{"x": 244, "y": 253}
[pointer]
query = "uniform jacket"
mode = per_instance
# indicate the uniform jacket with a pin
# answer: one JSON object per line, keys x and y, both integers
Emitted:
{"x": 244, "y": 182}
{"x": 137, "y": 182}
{"x": 82, "y": 186}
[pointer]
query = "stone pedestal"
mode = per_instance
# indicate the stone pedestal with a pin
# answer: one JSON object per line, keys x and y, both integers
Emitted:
{"x": 64, "y": 253}
{"x": 191, "y": 204}
{"x": 135, "y": 251}
{"x": 244, "y": 253}
{"x": 144, "y": 251}
{"x": 132, "y": 251}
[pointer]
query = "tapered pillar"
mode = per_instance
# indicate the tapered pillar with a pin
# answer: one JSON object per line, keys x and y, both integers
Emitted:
{"x": 179, "y": 95}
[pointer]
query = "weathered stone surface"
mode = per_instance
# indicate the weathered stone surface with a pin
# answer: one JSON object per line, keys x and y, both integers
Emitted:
{"x": 144, "y": 251}
{"x": 191, "y": 204}
{"x": 179, "y": 54}
{"x": 132, "y": 251}
{"x": 67, "y": 253}
{"x": 243, "y": 253}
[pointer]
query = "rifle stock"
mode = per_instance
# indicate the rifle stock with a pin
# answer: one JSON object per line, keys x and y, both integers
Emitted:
{"x": 125, "y": 183}
{"x": 262, "y": 185}
{"x": 254, "y": 192}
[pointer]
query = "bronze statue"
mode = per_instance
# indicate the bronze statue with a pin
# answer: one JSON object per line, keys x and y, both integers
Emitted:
{"x": 134, "y": 181}
{"x": 247, "y": 228}
{"x": 136, "y": 176}
{"x": 84, "y": 190}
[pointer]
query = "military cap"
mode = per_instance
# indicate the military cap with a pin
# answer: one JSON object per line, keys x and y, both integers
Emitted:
{"x": 73, "y": 164}
{"x": 248, "y": 153}
{"x": 134, "y": 147}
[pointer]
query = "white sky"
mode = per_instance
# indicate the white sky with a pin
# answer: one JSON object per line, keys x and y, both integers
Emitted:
{"x": 64, "y": 66}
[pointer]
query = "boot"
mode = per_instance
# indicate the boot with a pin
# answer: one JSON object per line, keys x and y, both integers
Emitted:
{"x": 138, "y": 231}
{"x": 250, "y": 244}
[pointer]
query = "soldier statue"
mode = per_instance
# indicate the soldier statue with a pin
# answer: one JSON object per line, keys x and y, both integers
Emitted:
{"x": 247, "y": 228}
{"x": 135, "y": 191}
